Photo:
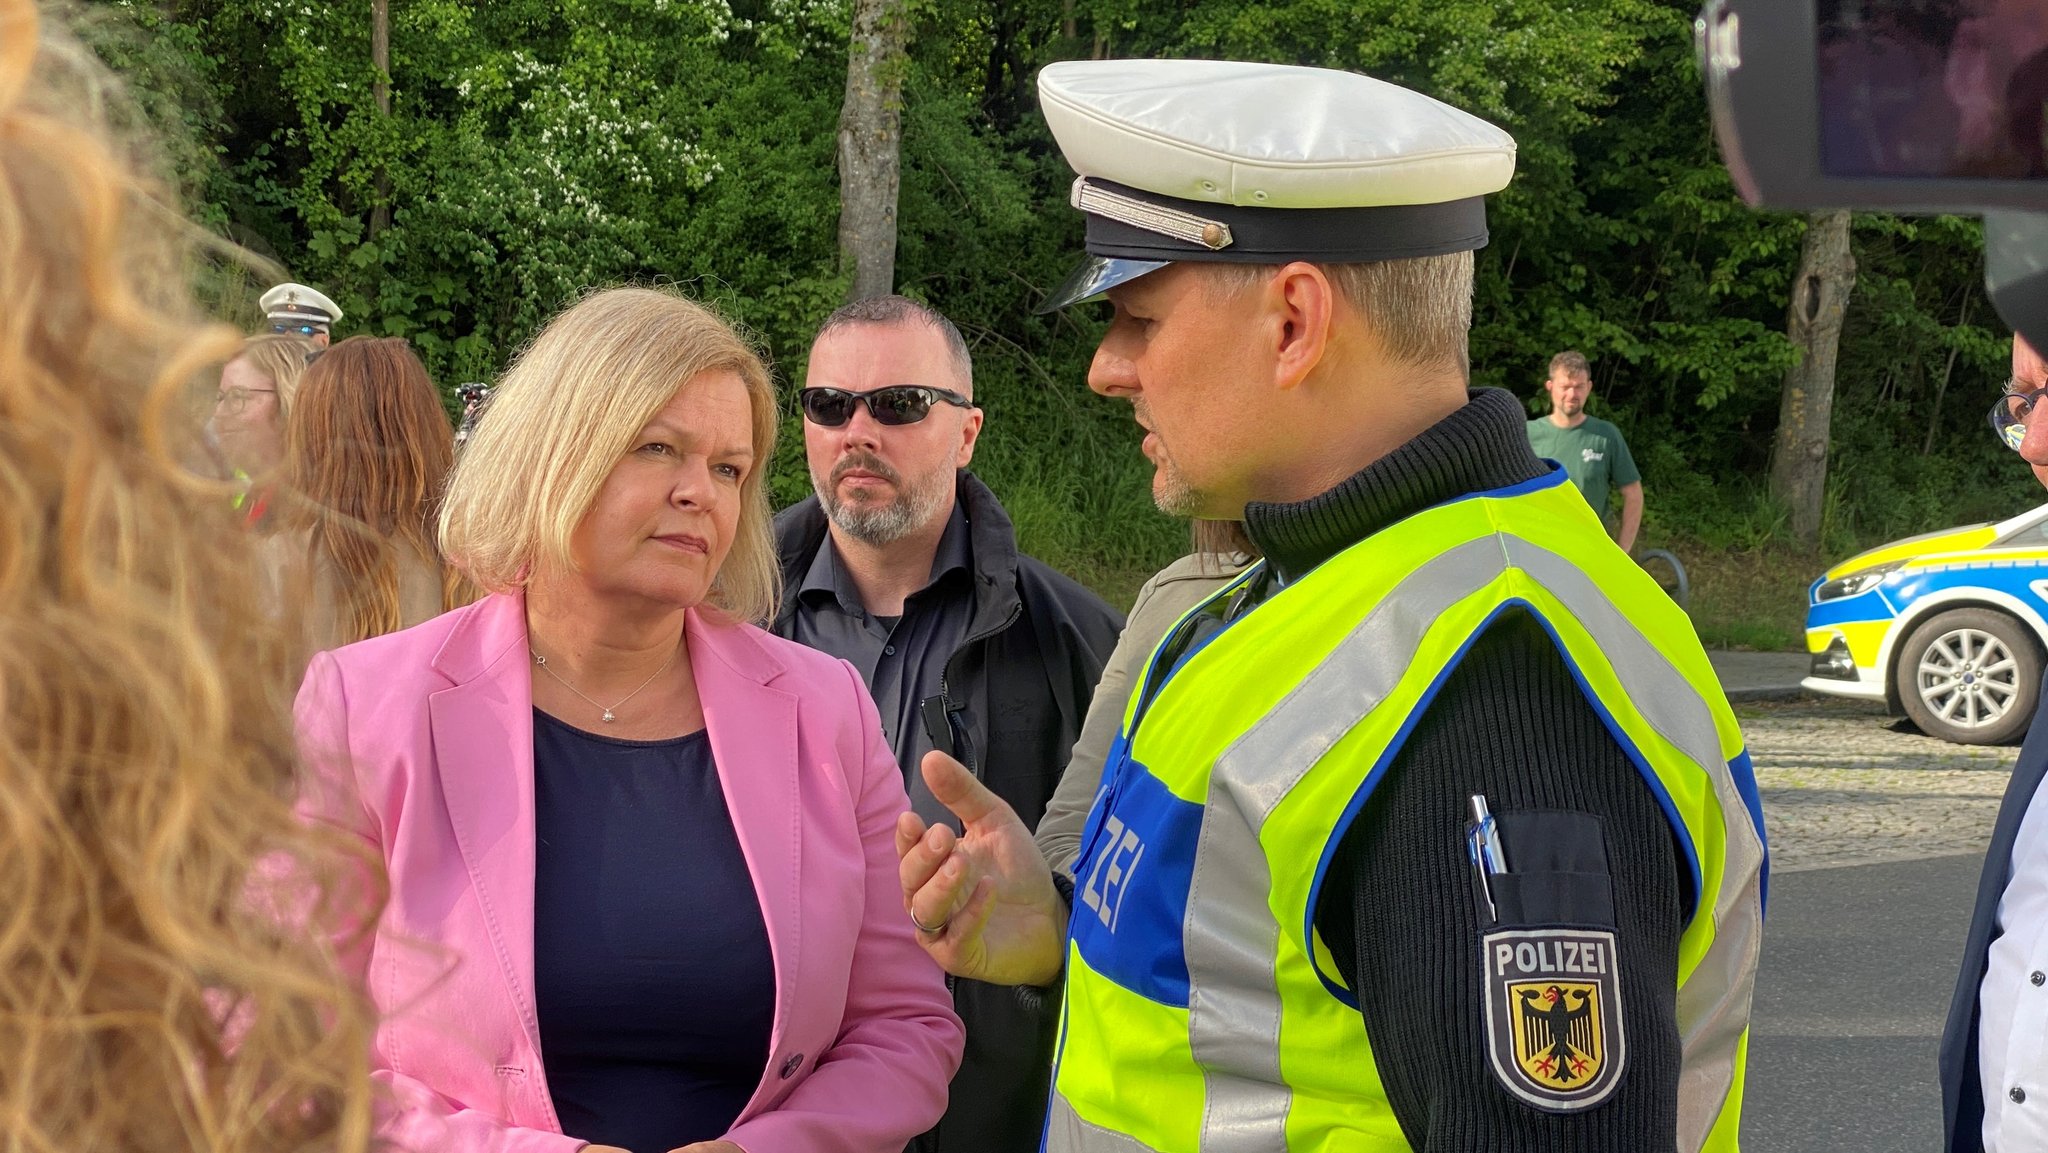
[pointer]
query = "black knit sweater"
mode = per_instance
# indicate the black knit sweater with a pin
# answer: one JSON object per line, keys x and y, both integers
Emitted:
{"x": 1399, "y": 909}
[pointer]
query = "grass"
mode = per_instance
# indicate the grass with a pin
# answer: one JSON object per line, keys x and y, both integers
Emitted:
{"x": 1079, "y": 494}
{"x": 1748, "y": 598}
{"x": 1114, "y": 583}
{"x": 1751, "y": 599}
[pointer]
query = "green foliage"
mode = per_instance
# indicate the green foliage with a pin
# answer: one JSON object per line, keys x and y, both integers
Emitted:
{"x": 171, "y": 97}
{"x": 539, "y": 148}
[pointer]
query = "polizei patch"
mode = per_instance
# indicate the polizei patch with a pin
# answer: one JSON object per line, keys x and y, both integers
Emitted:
{"x": 1553, "y": 1016}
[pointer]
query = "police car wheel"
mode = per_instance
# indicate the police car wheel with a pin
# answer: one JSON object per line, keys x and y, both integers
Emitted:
{"x": 1970, "y": 676}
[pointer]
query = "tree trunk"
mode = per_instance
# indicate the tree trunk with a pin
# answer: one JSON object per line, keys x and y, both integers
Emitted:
{"x": 1820, "y": 301}
{"x": 1947, "y": 371}
{"x": 870, "y": 145}
{"x": 1006, "y": 90}
{"x": 380, "y": 59}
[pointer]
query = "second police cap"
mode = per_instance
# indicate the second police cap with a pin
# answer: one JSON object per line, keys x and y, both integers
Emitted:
{"x": 297, "y": 302}
{"x": 1228, "y": 161}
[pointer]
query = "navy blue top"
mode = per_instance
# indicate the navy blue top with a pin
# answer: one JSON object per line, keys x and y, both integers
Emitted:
{"x": 651, "y": 969}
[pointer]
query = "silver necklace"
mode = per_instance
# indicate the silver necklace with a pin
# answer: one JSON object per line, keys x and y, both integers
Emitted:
{"x": 609, "y": 715}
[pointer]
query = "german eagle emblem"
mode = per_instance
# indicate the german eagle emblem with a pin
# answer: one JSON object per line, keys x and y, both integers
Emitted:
{"x": 1553, "y": 1019}
{"x": 1559, "y": 1039}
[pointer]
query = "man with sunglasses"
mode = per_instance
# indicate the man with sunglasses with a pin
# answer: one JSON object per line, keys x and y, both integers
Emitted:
{"x": 1994, "y": 1077}
{"x": 905, "y": 564}
{"x": 1433, "y": 830}
{"x": 296, "y": 310}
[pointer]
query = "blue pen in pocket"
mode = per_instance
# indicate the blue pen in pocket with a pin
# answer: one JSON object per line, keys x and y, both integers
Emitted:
{"x": 1482, "y": 845}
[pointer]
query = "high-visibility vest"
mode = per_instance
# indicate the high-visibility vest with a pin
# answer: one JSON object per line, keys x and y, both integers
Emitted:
{"x": 1202, "y": 1012}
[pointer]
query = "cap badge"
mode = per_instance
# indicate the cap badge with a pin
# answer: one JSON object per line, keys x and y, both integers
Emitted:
{"x": 1184, "y": 226}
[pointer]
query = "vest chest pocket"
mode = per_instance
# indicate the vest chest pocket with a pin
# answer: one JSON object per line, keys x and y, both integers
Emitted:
{"x": 1554, "y": 899}
{"x": 1557, "y": 870}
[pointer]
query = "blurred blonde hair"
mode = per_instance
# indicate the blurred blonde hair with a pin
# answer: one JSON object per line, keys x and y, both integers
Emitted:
{"x": 1220, "y": 539}
{"x": 282, "y": 360}
{"x": 1221, "y": 547}
{"x": 567, "y": 412}
{"x": 147, "y": 1002}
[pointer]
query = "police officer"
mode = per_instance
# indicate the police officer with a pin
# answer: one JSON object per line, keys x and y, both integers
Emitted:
{"x": 300, "y": 311}
{"x": 1994, "y": 1085}
{"x": 1444, "y": 764}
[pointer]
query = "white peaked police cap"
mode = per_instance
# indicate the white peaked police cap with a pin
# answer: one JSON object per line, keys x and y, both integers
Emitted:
{"x": 1227, "y": 161}
{"x": 297, "y": 302}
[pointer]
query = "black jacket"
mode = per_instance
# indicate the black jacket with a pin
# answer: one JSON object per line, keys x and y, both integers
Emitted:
{"x": 1962, "y": 1094}
{"x": 1017, "y": 689}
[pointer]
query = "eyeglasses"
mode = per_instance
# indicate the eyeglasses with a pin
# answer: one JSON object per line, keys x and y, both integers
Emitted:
{"x": 2009, "y": 415}
{"x": 282, "y": 329}
{"x": 894, "y": 405}
{"x": 234, "y": 400}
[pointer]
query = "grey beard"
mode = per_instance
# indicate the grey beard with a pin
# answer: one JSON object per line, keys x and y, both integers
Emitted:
{"x": 1176, "y": 498}
{"x": 878, "y": 525}
{"x": 1172, "y": 494}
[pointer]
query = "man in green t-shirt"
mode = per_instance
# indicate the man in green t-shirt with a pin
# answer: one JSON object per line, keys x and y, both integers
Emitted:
{"x": 1591, "y": 450}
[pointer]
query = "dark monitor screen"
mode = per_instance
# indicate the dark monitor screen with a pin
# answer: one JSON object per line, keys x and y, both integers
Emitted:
{"x": 1933, "y": 88}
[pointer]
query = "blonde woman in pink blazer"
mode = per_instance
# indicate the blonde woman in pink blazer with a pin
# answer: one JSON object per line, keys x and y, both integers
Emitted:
{"x": 642, "y": 886}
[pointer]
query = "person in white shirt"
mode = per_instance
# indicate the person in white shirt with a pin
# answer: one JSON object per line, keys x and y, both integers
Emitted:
{"x": 1994, "y": 1051}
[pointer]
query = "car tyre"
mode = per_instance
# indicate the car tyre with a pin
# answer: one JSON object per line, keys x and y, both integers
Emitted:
{"x": 1970, "y": 676}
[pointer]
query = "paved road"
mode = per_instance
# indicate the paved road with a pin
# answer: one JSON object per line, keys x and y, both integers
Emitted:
{"x": 1858, "y": 966}
{"x": 1845, "y": 785}
{"x": 1877, "y": 837}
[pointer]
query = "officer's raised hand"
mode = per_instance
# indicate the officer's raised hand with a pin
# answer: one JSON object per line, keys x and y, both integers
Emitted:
{"x": 983, "y": 901}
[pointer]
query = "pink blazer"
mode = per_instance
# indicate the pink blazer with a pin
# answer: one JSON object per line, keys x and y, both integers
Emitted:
{"x": 436, "y": 724}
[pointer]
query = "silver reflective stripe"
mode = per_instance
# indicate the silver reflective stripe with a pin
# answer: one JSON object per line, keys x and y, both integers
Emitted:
{"x": 1231, "y": 941}
{"x": 1066, "y": 1132}
{"x": 1714, "y": 1002}
{"x": 1185, "y": 226}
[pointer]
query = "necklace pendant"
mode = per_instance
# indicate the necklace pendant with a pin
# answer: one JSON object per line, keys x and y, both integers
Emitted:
{"x": 608, "y": 716}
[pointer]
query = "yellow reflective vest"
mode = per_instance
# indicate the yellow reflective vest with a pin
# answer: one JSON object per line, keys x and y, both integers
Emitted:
{"x": 1204, "y": 1015}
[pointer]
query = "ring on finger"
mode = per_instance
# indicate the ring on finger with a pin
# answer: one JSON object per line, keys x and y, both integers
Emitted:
{"x": 929, "y": 930}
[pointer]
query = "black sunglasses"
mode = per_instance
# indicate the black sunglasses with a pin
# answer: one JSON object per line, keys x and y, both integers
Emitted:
{"x": 281, "y": 329}
{"x": 896, "y": 404}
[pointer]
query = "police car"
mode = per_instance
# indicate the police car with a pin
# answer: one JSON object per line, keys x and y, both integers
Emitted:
{"x": 1950, "y": 627}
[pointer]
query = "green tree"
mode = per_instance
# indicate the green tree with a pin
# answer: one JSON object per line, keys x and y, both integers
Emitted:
{"x": 537, "y": 148}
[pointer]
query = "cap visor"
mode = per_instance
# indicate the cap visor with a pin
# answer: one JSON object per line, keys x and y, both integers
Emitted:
{"x": 1097, "y": 275}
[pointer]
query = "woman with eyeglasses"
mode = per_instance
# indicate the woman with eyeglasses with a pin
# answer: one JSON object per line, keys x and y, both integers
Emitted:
{"x": 368, "y": 449}
{"x": 250, "y": 409}
{"x": 643, "y": 879}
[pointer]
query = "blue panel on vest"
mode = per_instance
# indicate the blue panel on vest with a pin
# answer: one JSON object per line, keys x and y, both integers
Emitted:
{"x": 1551, "y": 479}
{"x": 1113, "y": 768}
{"x": 1745, "y": 784}
{"x": 1131, "y": 884}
